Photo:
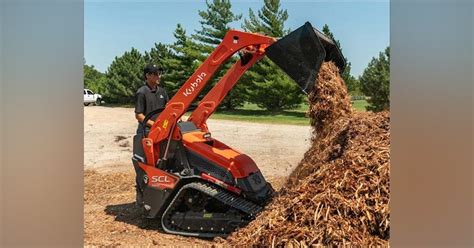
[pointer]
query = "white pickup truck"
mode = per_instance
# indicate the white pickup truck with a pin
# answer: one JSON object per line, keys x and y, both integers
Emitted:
{"x": 90, "y": 97}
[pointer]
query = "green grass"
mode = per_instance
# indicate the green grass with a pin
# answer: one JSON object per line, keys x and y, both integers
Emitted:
{"x": 359, "y": 105}
{"x": 252, "y": 113}
{"x": 292, "y": 117}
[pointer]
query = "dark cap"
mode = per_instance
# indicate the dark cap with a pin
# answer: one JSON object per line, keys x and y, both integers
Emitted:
{"x": 152, "y": 68}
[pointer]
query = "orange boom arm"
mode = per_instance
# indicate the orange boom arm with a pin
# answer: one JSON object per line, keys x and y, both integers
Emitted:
{"x": 252, "y": 45}
{"x": 214, "y": 97}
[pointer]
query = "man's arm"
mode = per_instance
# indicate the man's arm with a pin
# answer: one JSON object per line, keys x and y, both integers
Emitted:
{"x": 140, "y": 109}
{"x": 141, "y": 117}
{"x": 167, "y": 98}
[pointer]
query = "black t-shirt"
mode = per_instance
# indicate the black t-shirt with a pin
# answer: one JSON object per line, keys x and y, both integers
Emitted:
{"x": 147, "y": 100}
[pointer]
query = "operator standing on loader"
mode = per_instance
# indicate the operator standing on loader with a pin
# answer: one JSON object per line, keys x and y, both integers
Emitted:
{"x": 148, "y": 98}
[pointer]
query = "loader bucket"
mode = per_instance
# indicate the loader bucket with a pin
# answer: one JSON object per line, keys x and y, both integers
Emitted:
{"x": 301, "y": 53}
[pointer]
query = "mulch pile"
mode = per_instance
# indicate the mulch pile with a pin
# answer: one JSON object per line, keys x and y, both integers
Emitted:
{"x": 340, "y": 192}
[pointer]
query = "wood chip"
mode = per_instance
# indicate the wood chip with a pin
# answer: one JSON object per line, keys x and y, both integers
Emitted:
{"x": 344, "y": 177}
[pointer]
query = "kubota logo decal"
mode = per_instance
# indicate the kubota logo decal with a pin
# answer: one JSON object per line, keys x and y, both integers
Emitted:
{"x": 188, "y": 91}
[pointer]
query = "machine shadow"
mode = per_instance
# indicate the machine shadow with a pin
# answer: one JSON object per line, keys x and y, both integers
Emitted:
{"x": 129, "y": 213}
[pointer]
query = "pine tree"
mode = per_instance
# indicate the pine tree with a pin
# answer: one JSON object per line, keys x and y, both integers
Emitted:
{"x": 182, "y": 62}
{"x": 214, "y": 25}
{"x": 351, "y": 82}
{"x": 375, "y": 82}
{"x": 93, "y": 79}
{"x": 125, "y": 76}
{"x": 270, "y": 20}
{"x": 158, "y": 54}
{"x": 270, "y": 87}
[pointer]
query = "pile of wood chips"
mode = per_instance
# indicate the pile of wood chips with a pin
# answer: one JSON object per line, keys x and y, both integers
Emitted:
{"x": 340, "y": 192}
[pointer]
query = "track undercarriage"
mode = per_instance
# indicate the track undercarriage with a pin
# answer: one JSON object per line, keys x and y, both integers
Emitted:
{"x": 204, "y": 210}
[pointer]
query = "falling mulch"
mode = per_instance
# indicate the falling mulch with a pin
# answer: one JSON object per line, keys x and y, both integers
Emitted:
{"x": 340, "y": 192}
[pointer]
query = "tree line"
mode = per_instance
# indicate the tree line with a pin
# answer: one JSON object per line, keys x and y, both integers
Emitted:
{"x": 263, "y": 84}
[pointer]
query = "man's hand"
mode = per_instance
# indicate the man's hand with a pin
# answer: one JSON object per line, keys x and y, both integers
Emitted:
{"x": 150, "y": 123}
{"x": 141, "y": 117}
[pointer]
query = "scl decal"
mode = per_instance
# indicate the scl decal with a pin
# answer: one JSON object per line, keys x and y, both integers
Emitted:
{"x": 160, "y": 179}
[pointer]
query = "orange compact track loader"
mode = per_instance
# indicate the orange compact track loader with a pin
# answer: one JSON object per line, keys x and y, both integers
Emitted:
{"x": 194, "y": 184}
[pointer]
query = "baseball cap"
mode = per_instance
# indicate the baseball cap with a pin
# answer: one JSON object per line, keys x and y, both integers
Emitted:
{"x": 152, "y": 68}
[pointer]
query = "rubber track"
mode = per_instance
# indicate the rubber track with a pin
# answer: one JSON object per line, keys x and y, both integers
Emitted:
{"x": 220, "y": 194}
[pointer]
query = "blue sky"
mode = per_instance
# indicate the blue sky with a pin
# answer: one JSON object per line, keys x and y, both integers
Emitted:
{"x": 113, "y": 27}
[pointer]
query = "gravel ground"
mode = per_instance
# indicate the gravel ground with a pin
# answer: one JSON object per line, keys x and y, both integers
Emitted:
{"x": 109, "y": 214}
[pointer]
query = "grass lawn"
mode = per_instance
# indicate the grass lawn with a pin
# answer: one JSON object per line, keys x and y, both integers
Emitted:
{"x": 359, "y": 105}
{"x": 292, "y": 117}
{"x": 252, "y": 113}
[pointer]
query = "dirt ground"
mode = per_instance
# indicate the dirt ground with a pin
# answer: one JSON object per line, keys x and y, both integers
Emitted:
{"x": 110, "y": 216}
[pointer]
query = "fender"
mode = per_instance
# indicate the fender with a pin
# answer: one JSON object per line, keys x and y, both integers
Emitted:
{"x": 157, "y": 178}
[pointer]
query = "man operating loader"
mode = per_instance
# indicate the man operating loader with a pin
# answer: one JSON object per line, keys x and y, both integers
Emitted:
{"x": 149, "y": 97}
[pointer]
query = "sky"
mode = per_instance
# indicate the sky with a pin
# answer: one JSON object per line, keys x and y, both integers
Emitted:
{"x": 113, "y": 27}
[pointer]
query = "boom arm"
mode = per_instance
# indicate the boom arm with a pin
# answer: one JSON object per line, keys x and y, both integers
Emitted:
{"x": 214, "y": 97}
{"x": 299, "y": 54}
{"x": 232, "y": 43}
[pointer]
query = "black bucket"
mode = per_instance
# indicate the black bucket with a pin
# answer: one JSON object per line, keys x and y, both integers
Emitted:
{"x": 301, "y": 53}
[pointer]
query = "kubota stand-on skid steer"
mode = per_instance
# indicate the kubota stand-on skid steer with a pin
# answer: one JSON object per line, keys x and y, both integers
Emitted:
{"x": 194, "y": 184}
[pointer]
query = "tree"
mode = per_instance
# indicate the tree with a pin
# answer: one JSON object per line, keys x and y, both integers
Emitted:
{"x": 270, "y": 19}
{"x": 375, "y": 82}
{"x": 270, "y": 87}
{"x": 183, "y": 60}
{"x": 125, "y": 76}
{"x": 158, "y": 54}
{"x": 352, "y": 83}
{"x": 214, "y": 25}
{"x": 93, "y": 79}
